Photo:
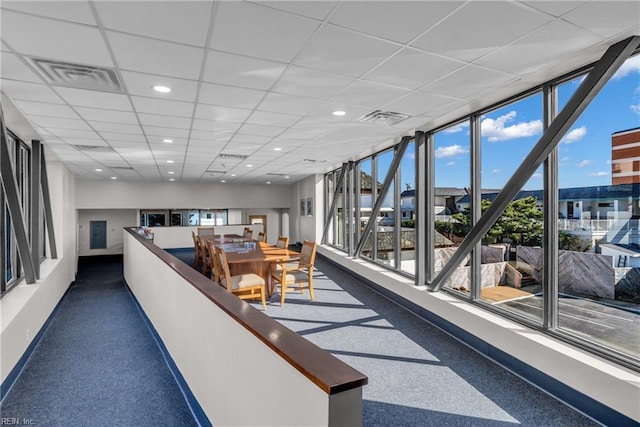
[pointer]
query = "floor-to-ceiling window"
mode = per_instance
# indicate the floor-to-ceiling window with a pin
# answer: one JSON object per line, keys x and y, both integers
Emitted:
{"x": 590, "y": 182}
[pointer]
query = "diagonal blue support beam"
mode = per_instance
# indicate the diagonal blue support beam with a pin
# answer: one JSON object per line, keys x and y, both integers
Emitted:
{"x": 35, "y": 206}
{"x": 604, "y": 69}
{"x": 46, "y": 201}
{"x": 391, "y": 173}
{"x": 334, "y": 203}
{"x": 10, "y": 187}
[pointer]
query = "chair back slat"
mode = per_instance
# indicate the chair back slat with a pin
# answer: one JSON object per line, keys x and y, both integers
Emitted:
{"x": 283, "y": 242}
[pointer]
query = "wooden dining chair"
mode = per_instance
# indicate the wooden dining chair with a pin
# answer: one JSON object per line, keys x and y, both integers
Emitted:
{"x": 244, "y": 286}
{"x": 262, "y": 237}
{"x": 196, "y": 250}
{"x": 283, "y": 242}
{"x": 206, "y": 231}
{"x": 247, "y": 233}
{"x": 216, "y": 270}
{"x": 297, "y": 277}
{"x": 205, "y": 261}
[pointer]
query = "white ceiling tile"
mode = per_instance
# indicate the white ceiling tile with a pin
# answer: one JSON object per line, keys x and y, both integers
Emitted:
{"x": 241, "y": 28}
{"x": 229, "y": 114}
{"x": 116, "y": 136}
{"x": 412, "y": 68}
{"x": 63, "y": 40}
{"x": 176, "y": 21}
{"x": 42, "y": 109}
{"x": 210, "y": 135}
{"x": 288, "y": 104}
{"x": 61, "y": 123}
{"x": 92, "y": 98}
{"x": 85, "y": 141}
{"x": 272, "y": 119}
{"x": 75, "y": 11}
{"x": 236, "y": 70}
{"x": 606, "y": 18}
{"x": 29, "y": 91}
{"x": 400, "y": 21}
{"x": 13, "y": 68}
{"x": 250, "y": 129}
{"x": 163, "y": 107}
{"x": 538, "y": 49}
{"x": 341, "y": 51}
{"x": 165, "y": 132}
{"x": 556, "y": 8}
{"x": 215, "y": 126}
{"x": 250, "y": 139}
{"x": 468, "y": 81}
{"x": 142, "y": 84}
{"x": 229, "y": 96}
{"x": 73, "y": 133}
{"x": 369, "y": 94}
{"x": 97, "y": 114}
{"x": 312, "y": 9}
{"x": 493, "y": 23}
{"x": 313, "y": 83}
{"x": 116, "y": 127}
{"x": 144, "y": 55}
{"x": 418, "y": 103}
{"x": 167, "y": 121}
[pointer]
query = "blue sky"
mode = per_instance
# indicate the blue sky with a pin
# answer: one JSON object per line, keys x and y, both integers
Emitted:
{"x": 509, "y": 133}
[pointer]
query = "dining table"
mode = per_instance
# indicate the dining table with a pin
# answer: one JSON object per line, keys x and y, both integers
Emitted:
{"x": 251, "y": 256}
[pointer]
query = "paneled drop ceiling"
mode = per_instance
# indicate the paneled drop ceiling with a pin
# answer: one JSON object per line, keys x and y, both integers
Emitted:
{"x": 256, "y": 83}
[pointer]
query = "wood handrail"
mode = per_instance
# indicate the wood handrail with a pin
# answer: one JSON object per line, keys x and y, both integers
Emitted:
{"x": 328, "y": 372}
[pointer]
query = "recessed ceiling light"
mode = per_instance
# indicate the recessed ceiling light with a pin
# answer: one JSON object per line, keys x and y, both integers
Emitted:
{"x": 169, "y": 161}
{"x": 223, "y": 181}
{"x": 114, "y": 177}
{"x": 162, "y": 89}
{"x": 277, "y": 149}
{"x": 171, "y": 172}
{"x": 339, "y": 113}
{"x": 98, "y": 170}
{"x": 233, "y": 174}
{"x": 172, "y": 179}
{"x": 249, "y": 166}
{"x": 167, "y": 140}
{"x": 286, "y": 177}
{"x": 268, "y": 182}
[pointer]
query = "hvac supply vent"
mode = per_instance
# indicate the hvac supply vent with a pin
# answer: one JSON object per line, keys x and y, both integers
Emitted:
{"x": 120, "y": 168}
{"x": 214, "y": 172}
{"x": 77, "y": 76}
{"x": 94, "y": 148}
{"x": 232, "y": 156}
{"x": 382, "y": 117}
{"x": 276, "y": 174}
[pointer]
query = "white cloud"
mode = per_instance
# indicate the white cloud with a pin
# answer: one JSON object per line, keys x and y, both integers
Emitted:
{"x": 575, "y": 135}
{"x": 497, "y": 129}
{"x": 457, "y": 128}
{"x": 536, "y": 175}
{"x": 450, "y": 151}
{"x": 496, "y": 171}
{"x": 601, "y": 173}
{"x": 450, "y": 163}
{"x": 635, "y": 108}
{"x": 584, "y": 164}
{"x": 630, "y": 66}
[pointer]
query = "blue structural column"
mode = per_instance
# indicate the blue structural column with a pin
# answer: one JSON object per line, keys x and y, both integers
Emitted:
{"x": 35, "y": 206}
{"x": 46, "y": 202}
{"x": 10, "y": 187}
{"x": 334, "y": 203}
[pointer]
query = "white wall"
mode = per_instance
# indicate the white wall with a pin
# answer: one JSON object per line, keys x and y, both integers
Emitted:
{"x": 25, "y": 308}
{"x": 303, "y": 226}
{"x": 116, "y": 220}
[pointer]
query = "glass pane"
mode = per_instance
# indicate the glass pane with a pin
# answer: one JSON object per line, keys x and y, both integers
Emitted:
{"x": 599, "y": 209}
{"x": 512, "y": 253}
{"x": 452, "y": 174}
{"x": 386, "y": 216}
{"x": 407, "y": 210}
{"x": 367, "y": 184}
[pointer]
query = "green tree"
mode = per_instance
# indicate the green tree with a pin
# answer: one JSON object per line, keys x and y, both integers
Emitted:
{"x": 521, "y": 222}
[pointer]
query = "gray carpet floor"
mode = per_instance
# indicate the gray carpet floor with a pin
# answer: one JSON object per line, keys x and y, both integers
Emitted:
{"x": 418, "y": 375}
{"x": 97, "y": 363}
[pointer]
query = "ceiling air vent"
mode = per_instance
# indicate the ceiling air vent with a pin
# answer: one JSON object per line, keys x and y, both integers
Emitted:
{"x": 382, "y": 117}
{"x": 214, "y": 172}
{"x": 232, "y": 156}
{"x": 77, "y": 76}
{"x": 121, "y": 168}
{"x": 94, "y": 148}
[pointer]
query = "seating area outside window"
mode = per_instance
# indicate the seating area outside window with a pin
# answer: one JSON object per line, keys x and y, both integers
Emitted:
{"x": 183, "y": 217}
{"x": 591, "y": 219}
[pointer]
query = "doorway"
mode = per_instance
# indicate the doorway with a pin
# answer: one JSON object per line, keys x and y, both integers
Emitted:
{"x": 259, "y": 219}
{"x": 98, "y": 238}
